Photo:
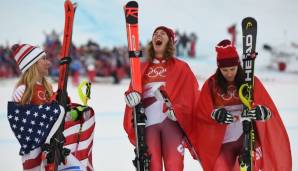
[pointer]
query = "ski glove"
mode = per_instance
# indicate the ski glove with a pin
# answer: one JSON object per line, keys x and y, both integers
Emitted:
{"x": 132, "y": 99}
{"x": 77, "y": 112}
{"x": 221, "y": 115}
{"x": 259, "y": 113}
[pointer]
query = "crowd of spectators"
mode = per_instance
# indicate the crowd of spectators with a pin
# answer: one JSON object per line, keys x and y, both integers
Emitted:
{"x": 90, "y": 59}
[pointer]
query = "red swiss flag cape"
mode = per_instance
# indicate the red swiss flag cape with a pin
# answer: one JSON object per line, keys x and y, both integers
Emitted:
{"x": 183, "y": 91}
{"x": 272, "y": 134}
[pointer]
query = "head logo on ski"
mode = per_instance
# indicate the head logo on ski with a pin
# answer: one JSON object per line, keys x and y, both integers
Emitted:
{"x": 249, "y": 32}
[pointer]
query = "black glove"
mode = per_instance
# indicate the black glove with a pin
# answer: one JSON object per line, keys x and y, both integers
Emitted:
{"x": 221, "y": 115}
{"x": 260, "y": 112}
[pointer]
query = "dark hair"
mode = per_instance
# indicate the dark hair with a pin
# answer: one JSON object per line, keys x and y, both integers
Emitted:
{"x": 168, "y": 54}
{"x": 222, "y": 82}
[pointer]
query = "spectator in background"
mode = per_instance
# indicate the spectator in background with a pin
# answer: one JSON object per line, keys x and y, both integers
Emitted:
{"x": 178, "y": 43}
{"x": 232, "y": 31}
{"x": 75, "y": 67}
{"x": 184, "y": 42}
{"x": 192, "y": 45}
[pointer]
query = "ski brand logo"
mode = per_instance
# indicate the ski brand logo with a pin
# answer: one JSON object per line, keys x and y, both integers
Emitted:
{"x": 249, "y": 24}
{"x": 248, "y": 64}
{"x": 41, "y": 95}
{"x": 131, "y": 11}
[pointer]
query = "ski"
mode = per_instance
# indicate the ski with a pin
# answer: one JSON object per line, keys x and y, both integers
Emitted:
{"x": 142, "y": 159}
{"x": 55, "y": 153}
{"x": 249, "y": 35}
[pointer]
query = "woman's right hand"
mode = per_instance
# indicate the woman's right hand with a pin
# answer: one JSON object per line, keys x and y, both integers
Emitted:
{"x": 221, "y": 115}
{"x": 132, "y": 98}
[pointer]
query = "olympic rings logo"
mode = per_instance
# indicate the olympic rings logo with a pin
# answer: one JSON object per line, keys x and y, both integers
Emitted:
{"x": 231, "y": 93}
{"x": 156, "y": 72}
{"x": 41, "y": 95}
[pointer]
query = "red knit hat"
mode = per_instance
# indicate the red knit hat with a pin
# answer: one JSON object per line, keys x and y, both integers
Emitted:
{"x": 227, "y": 55}
{"x": 26, "y": 55}
{"x": 169, "y": 32}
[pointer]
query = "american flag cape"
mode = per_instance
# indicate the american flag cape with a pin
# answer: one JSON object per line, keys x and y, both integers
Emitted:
{"x": 79, "y": 137}
{"x": 34, "y": 125}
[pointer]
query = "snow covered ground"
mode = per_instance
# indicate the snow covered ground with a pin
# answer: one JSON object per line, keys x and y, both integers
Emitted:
{"x": 112, "y": 150}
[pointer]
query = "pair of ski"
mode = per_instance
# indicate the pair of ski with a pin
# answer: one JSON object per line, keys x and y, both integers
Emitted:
{"x": 54, "y": 152}
{"x": 142, "y": 159}
{"x": 249, "y": 36}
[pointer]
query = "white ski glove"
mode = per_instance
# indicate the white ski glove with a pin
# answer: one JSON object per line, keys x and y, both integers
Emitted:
{"x": 132, "y": 99}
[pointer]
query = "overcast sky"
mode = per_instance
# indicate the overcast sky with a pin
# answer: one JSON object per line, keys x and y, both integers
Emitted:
{"x": 103, "y": 20}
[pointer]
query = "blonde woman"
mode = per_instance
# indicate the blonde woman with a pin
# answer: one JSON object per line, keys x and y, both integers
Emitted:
{"x": 32, "y": 87}
{"x": 34, "y": 116}
{"x": 30, "y": 114}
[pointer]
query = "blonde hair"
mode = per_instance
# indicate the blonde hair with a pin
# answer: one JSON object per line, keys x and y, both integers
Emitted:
{"x": 29, "y": 79}
{"x": 168, "y": 54}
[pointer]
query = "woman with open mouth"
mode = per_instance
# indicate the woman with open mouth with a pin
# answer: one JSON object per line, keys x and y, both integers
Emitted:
{"x": 170, "y": 93}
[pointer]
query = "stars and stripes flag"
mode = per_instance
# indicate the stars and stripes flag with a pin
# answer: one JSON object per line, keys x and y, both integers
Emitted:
{"x": 34, "y": 125}
{"x": 79, "y": 138}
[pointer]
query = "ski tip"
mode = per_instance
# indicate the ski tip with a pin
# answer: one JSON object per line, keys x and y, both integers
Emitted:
{"x": 131, "y": 12}
{"x": 131, "y": 4}
{"x": 249, "y": 22}
{"x": 249, "y": 19}
{"x": 69, "y": 6}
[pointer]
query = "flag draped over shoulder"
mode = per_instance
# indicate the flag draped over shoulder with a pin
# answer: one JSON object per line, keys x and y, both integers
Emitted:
{"x": 33, "y": 125}
{"x": 272, "y": 135}
{"x": 79, "y": 138}
{"x": 183, "y": 91}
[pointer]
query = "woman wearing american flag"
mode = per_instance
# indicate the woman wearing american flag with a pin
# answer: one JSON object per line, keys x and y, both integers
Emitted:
{"x": 34, "y": 115}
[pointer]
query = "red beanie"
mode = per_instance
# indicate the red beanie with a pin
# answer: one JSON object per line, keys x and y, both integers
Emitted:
{"x": 227, "y": 55}
{"x": 169, "y": 32}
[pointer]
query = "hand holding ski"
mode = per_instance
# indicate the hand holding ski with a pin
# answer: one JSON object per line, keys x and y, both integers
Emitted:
{"x": 142, "y": 159}
{"x": 55, "y": 153}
